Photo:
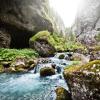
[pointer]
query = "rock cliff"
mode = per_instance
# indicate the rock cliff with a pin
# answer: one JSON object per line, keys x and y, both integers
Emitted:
{"x": 87, "y": 25}
{"x": 21, "y": 19}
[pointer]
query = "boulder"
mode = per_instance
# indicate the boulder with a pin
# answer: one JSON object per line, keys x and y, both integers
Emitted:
{"x": 24, "y": 18}
{"x": 62, "y": 56}
{"x": 84, "y": 81}
{"x": 42, "y": 43}
{"x": 1, "y": 69}
{"x": 47, "y": 71}
{"x": 22, "y": 65}
{"x": 62, "y": 94}
{"x": 80, "y": 57}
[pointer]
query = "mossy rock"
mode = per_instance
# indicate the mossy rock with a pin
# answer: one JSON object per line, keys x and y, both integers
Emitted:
{"x": 42, "y": 43}
{"x": 62, "y": 94}
{"x": 94, "y": 49}
{"x": 6, "y": 64}
{"x": 62, "y": 56}
{"x": 22, "y": 65}
{"x": 97, "y": 37}
{"x": 84, "y": 80}
{"x": 1, "y": 69}
{"x": 87, "y": 66}
{"x": 53, "y": 39}
{"x": 47, "y": 71}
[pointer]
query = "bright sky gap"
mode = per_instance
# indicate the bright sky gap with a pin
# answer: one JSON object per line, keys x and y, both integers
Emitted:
{"x": 67, "y": 9}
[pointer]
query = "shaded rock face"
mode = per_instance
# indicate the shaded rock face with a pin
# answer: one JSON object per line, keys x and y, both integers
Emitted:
{"x": 23, "y": 18}
{"x": 84, "y": 81}
{"x": 43, "y": 47}
{"x": 87, "y": 23}
{"x": 4, "y": 39}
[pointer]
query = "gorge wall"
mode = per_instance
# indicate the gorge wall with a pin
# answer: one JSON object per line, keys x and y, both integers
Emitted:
{"x": 87, "y": 24}
{"x": 21, "y": 19}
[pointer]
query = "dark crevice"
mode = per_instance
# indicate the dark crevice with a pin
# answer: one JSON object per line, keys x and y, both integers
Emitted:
{"x": 19, "y": 37}
{"x": 19, "y": 40}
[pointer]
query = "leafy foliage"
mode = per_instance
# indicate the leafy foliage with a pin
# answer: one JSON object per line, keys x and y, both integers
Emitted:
{"x": 58, "y": 42}
{"x": 11, "y": 54}
{"x": 54, "y": 39}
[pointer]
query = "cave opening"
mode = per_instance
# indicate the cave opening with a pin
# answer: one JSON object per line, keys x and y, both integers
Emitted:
{"x": 20, "y": 40}
{"x": 19, "y": 37}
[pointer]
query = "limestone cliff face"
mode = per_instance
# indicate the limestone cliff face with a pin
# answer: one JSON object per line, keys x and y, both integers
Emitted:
{"x": 87, "y": 23}
{"x": 22, "y": 19}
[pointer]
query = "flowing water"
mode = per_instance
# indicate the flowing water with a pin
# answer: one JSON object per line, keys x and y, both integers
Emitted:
{"x": 31, "y": 86}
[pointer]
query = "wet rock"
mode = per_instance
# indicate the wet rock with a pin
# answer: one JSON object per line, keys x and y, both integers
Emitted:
{"x": 58, "y": 68}
{"x": 30, "y": 62}
{"x": 62, "y": 94}
{"x": 6, "y": 64}
{"x": 43, "y": 60}
{"x": 62, "y": 56}
{"x": 53, "y": 66}
{"x": 69, "y": 56}
{"x": 84, "y": 81}
{"x": 47, "y": 71}
{"x": 22, "y": 65}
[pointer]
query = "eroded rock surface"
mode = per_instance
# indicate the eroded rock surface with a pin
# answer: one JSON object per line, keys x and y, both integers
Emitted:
{"x": 84, "y": 81}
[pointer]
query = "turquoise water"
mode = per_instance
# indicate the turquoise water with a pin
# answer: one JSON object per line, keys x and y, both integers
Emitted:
{"x": 31, "y": 86}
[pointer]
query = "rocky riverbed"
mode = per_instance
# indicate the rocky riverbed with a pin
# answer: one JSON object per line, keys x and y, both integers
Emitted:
{"x": 32, "y": 85}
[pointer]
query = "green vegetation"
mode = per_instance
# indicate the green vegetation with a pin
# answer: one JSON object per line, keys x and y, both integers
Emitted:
{"x": 58, "y": 42}
{"x": 62, "y": 56}
{"x": 62, "y": 94}
{"x": 71, "y": 45}
{"x": 94, "y": 48}
{"x": 11, "y": 54}
{"x": 87, "y": 67}
{"x": 54, "y": 39}
{"x": 1, "y": 68}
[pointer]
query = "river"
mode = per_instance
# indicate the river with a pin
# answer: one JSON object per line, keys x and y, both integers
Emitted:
{"x": 30, "y": 86}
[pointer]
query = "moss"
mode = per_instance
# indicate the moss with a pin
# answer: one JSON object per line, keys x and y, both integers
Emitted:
{"x": 84, "y": 81}
{"x": 62, "y": 56}
{"x": 55, "y": 40}
{"x": 1, "y": 69}
{"x": 47, "y": 71}
{"x": 89, "y": 67}
{"x": 74, "y": 46}
{"x": 94, "y": 48}
{"x": 62, "y": 94}
{"x": 11, "y": 54}
{"x": 58, "y": 42}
